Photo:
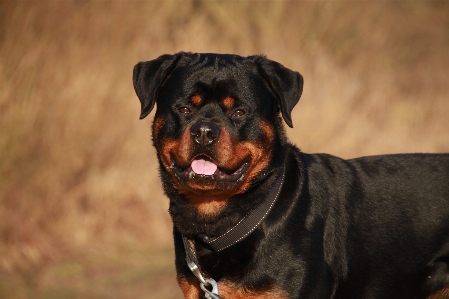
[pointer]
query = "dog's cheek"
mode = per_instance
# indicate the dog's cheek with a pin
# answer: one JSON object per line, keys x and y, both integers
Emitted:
{"x": 180, "y": 149}
{"x": 257, "y": 130}
{"x": 183, "y": 154}
{"x": 261, "y": 151}
{"x": 268, "y": 133}
{"x": 233, "y": 152}
{"x": 156, "y": 128}
{"x": 165, "y": 147}
{"x": 260, "y": 158}
{"x": 230, "y": 152}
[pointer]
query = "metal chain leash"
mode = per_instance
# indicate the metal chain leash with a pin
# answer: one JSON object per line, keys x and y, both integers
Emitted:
{"x": 208, "y": 294}
{"x": 213, "y": 294}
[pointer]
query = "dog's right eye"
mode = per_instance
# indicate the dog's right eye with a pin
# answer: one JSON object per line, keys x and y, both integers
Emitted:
{"x": 184, "y": 110}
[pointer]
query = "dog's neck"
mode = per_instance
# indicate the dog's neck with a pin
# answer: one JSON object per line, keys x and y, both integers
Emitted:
{"x": 190, "y": 222}
{"x": 248, "y": 223}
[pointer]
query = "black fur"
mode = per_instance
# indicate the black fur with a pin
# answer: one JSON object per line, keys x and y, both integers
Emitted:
{"x": 372, "y": 227}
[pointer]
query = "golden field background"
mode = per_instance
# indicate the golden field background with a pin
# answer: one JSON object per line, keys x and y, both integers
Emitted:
{"x": 82, "y": 214}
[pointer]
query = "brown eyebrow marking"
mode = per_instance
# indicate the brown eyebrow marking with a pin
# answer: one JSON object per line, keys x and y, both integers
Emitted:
{"x": 196, "y": 100}
{"x": 228, "y": 102}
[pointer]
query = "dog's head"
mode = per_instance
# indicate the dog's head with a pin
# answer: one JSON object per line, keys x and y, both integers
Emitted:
{"x": 216, "y": 124}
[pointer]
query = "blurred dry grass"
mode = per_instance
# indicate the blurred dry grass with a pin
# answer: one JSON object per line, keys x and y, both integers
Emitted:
{"x": 82, "y": 214}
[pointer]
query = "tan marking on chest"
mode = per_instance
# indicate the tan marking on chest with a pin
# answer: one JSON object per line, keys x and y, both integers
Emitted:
{"x": 228, "y": 290}
{"x": 189, "y": 289}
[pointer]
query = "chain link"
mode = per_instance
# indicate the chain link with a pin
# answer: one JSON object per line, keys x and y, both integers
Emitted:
{"x": 210, "y": 294}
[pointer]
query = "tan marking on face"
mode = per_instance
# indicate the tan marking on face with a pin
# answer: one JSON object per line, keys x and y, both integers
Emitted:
{"x": 157, "y": 125}
{"x": 440, "y": 294}
{"x": 180, "y": 148}
{"x": 268, "y": 130}
{"x": 196, "y": 100}
{"x": 233, "y": 153}
{"x": 228, "y": 103}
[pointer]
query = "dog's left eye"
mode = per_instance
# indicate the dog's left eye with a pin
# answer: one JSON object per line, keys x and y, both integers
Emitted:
{"x": 238, "y": 113}
{"x": 184, "y": 110}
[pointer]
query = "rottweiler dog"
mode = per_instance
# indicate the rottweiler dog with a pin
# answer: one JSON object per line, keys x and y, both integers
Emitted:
{"x": 254, "y": 217}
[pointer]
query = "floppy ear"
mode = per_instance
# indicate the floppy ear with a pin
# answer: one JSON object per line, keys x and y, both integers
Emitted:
{"x": 285, "y": 84}
{"x": 148, "y": 78}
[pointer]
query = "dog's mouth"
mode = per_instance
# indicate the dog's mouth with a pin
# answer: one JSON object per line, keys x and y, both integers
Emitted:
{"x": 205, "y": 168}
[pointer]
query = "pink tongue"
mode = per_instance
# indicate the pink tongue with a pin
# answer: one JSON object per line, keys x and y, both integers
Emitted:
{"x": 201, "y": 166}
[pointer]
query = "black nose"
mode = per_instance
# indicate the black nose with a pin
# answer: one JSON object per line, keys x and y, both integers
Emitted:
{"x": 204, "y": 133}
